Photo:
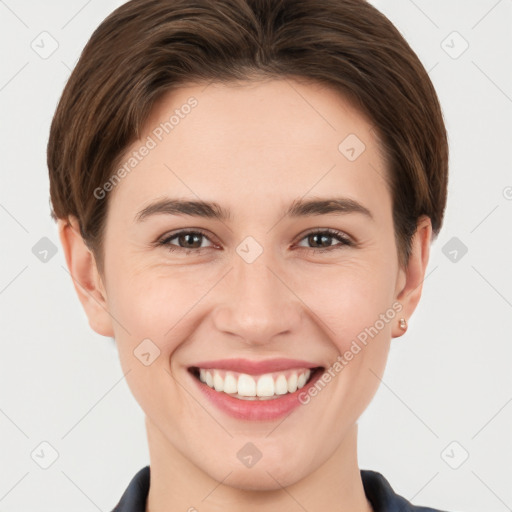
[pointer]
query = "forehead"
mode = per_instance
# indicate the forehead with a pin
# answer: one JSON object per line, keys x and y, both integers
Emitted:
{"x": 269, "y": 139}
{"x": 269, "y": 112}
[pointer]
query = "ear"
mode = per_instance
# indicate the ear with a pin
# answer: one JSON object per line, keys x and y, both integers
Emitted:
{"x": 410, "y": 279}
{"x": 86, "y": 278}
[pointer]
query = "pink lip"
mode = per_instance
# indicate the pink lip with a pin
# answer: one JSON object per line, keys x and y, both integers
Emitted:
{"x": 263, "y": 410}
{"x": 255, "y": 367}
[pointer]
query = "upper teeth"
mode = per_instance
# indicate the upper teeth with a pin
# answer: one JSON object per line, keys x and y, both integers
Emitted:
{"x": 266, "y": 385}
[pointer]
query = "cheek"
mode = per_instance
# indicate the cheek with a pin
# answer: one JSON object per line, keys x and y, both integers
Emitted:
{"x": 349, "y": 298}
{"x": 156, "y": 309}
{"x": 152, "y": 301}
{"x": 357, "y": 308}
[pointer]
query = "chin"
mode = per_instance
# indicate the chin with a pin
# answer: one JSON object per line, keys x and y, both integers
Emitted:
{"x": 264, "y": 478}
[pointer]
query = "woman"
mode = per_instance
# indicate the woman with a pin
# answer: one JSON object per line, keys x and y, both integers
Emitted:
{"x": 246, "y": 193}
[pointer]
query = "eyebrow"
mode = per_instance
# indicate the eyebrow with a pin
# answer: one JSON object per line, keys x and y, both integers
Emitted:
{"x": 212, "y": 210}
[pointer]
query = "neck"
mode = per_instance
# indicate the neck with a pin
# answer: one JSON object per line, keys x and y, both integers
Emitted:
{"x": 178, "y": 484}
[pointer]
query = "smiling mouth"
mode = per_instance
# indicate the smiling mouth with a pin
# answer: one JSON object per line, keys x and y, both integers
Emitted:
{"x": 267, "y": 386}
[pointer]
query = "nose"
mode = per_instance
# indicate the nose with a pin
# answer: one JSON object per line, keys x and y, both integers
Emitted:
{"x": 259, "y": 302}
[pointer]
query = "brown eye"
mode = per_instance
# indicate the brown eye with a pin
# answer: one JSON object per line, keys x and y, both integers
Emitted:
{"x": 186, "y": 240}
{"x": 321, "y": 240}
{"x": 192, "y": 241}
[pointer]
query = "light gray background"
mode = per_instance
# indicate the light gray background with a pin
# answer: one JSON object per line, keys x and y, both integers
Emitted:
{"x": 448, "y": 379}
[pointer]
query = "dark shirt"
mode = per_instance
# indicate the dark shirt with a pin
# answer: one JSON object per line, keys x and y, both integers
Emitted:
{"x": 376, "y": 487}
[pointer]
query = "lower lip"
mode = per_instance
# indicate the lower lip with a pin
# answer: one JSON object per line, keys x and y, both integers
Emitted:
{"x": 256, "y": 409}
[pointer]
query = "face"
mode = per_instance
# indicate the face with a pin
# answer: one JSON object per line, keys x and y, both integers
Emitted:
{"x": 272, "y": 286}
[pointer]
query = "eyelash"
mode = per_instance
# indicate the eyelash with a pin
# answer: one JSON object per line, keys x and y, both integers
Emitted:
{"x": 345, "y": 241}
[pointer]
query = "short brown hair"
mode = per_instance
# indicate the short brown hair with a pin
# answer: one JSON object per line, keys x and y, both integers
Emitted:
{"x": 147, "y": 47}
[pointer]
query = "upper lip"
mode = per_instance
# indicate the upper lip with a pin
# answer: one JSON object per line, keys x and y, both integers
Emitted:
{"x": 255, "y": 367}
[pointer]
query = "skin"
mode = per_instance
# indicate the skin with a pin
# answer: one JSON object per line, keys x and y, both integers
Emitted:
{"x": 253, "y": 147}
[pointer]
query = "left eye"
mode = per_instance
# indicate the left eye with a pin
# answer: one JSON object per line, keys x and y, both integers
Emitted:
{"x": 325, "y": 236}
{"x": 191, "y": 240}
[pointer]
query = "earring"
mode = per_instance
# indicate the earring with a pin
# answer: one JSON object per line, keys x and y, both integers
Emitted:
{"x": 403, "y": 324}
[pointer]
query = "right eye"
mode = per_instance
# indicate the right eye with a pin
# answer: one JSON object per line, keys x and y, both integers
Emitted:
{"x": 188, "y": 241}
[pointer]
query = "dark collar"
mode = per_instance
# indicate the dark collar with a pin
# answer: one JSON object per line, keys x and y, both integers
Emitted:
{"x": 376, "y": 487}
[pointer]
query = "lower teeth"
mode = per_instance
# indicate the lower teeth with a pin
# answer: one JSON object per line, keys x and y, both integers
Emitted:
{"x": 273, "y": 397}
